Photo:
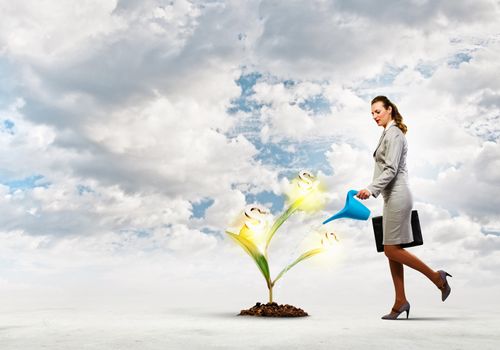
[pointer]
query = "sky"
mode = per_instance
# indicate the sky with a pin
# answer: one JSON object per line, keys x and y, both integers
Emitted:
{"x": 133, "y": 133}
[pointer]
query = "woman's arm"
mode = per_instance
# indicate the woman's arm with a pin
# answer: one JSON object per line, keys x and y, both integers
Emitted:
{"x": 390, "y": 161}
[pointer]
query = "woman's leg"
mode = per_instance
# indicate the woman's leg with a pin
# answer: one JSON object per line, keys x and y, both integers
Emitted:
{"x": 397, "y": 273}
{"x": 398, "y": 254}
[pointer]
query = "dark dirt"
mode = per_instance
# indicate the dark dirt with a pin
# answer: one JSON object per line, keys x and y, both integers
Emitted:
{"x": 274, "y": 310}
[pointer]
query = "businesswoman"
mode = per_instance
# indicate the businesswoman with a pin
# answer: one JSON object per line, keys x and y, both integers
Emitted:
{"x": 390, "y": 179}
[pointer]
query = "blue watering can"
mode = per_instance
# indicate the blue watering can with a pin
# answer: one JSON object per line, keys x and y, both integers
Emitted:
{"x": 353, "y": 209}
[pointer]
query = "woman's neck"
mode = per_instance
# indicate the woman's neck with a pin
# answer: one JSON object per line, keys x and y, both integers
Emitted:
{"x": 389, "y": 123}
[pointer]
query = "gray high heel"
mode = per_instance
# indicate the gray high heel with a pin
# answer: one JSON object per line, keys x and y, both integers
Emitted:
{"x": 395, "y": 313}
{"x": 445, "y": 289}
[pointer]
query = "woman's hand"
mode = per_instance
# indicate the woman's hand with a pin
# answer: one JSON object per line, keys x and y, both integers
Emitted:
{"x": 363, "y": 194}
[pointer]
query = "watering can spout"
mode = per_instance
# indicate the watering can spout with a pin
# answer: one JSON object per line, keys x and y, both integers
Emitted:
{"x": 353, "y": 209}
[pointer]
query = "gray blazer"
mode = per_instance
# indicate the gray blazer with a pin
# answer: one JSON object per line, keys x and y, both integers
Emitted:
{"x": 390, "y": 162}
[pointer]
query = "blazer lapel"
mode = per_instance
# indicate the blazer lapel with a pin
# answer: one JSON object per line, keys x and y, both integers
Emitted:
{"x": 382, "y": 137}
{"x": 379, "y": 142}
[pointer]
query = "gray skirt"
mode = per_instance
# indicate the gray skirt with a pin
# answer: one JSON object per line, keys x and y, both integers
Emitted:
{"x": 396, "y": 221}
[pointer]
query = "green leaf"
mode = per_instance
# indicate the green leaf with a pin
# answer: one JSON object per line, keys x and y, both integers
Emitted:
{"x": 255, "y": 253}
{"x": 304, "y": 256}
{"x": 291, "y": 209}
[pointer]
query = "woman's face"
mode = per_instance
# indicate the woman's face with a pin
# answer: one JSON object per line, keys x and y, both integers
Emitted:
{"x": 381, "y": 115}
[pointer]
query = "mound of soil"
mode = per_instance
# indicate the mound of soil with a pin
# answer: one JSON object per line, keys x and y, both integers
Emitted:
{"x": 274, "y": 310}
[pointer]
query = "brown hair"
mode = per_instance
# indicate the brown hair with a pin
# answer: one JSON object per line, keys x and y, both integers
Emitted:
{"x": 398, "y": 118}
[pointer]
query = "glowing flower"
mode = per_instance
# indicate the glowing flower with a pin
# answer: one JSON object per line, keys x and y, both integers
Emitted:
{"x": 306, "y": 192}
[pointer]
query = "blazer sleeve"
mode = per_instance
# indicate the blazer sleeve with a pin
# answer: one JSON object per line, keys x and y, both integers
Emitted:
{"x": 390, "y": 163}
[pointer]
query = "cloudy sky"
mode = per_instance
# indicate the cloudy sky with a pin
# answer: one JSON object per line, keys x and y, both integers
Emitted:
{"x": 134, "y": 132}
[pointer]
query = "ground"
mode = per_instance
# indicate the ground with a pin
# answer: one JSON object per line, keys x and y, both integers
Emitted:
{"x": 221, "y": 328}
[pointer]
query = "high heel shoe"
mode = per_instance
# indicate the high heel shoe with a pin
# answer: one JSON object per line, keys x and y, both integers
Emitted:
{"x": 395, "y": 313}
{"x": 445, "y": 288}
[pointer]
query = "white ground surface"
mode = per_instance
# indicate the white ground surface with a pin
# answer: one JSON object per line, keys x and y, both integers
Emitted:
{"x": 111, "y": 327}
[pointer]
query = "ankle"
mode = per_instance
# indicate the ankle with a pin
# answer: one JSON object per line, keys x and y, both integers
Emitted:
{"x": 399, "y": 302}
{"x": 438, "y": 281}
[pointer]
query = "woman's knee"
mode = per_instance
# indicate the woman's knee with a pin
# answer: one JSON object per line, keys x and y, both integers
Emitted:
{"x": 387, "y": 252}
{"x": 390, "y": 250}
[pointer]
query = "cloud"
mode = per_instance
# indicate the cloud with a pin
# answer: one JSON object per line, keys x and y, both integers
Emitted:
{"x": 132, "y": 113}
{"x": 420, "y": 13}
